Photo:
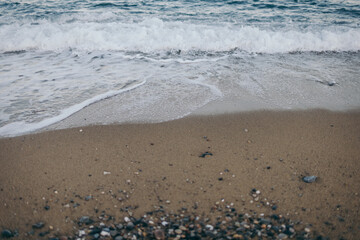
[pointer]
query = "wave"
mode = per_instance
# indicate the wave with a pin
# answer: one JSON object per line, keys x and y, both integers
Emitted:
{"x": 18, "y": 128}
{"x": 153, "y": 35}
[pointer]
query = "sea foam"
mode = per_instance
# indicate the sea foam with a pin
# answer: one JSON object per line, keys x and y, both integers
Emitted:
{"x": 153, "y": 35}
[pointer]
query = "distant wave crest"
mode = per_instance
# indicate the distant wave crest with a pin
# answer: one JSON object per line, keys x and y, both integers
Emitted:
{"x": 153, "y": 35}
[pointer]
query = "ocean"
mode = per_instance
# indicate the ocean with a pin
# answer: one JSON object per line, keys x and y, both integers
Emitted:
{"x": 100, "y": 62}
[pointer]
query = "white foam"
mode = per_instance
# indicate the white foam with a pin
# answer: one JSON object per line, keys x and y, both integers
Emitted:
{"x": 17, "y": 128}
{"x": 153, "y": 35}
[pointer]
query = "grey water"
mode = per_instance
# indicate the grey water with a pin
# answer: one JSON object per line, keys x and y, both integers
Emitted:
{"x": 161, "y": 60}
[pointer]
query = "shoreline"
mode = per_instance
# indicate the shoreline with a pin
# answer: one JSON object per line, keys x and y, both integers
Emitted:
{"x": 159, "y": 164}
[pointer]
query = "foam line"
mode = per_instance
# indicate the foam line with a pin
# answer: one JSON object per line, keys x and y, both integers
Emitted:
{"x": 154, "y": 35}
{"x": 18, "y": 128}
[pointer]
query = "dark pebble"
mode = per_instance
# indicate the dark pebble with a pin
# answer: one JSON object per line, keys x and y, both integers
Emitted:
{"x": 206, "y": 154}
{"x": 95, "y": 231}
{"x": 114, "y": 233}
{"x": 274, "y": 207}
{"x": 130, "y": 226}
{"x": 6, "y": 233}
{"x": 220, "y": 178}
{"x": 87, "y": 198}
{"x": 43, "y": 234}
{"x": 159, "y": 234}
{"x": 85, "y": 220}
{"x": 309, "y": 179}
{"x": 47, "y": 207}
{"x": 38, "y": 225}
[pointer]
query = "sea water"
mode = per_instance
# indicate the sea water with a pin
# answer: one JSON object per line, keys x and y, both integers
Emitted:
{"x": 125, "y": 61}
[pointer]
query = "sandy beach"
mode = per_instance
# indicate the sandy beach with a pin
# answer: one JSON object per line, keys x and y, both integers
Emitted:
{"x": 195, "y": 163}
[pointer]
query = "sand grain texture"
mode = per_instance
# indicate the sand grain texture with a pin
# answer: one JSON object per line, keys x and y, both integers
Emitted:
{"x": 153, "y": 163}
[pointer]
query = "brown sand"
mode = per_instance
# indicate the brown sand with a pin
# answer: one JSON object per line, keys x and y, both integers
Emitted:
{"x": 154, "y": 163}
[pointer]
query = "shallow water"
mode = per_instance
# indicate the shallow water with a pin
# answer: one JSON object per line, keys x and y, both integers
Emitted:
{"x": 166, "y": 59}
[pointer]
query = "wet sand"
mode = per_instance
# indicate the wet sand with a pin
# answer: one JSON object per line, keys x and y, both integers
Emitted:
{"x": 135, "y": 168}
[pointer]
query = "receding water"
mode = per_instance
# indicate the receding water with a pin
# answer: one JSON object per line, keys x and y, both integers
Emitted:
{"x": 167, "y": 59}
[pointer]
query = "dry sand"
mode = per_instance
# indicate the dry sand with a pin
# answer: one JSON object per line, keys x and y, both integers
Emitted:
{"x": 153, "y": 163}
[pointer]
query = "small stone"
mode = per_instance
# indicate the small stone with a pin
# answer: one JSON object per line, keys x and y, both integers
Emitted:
{"x": 81, "y": 233}
{"x": 307, "y": 230}
{"x": 126, "y": 219}
{"x": 282, "y": 236}
{"x": 38, "y": 225}
{"x": 168, "y": 201}
{"x": 47, "y": 207}
{"x": 119, "y": 238}
{"x": 130, "y": 226}
{"x": 87, "y": 198}
{"x": 113, "y": 233}
{"x": 86, "y": 220}
{"x": 107, "y": 173}
{"x": 209, "y": 227}
{"x": 178, "y": 231}
{"x": 309, "y": 179}
{"x": 43, "y": 234}
{"x": 105, "y": 234}
{"x": 274, "y": 207}
{"x": 6, "y": 233}
{"x": 206, "y": 154}
{"x": 159, "y": 234}
{"x": 182, "y": 228}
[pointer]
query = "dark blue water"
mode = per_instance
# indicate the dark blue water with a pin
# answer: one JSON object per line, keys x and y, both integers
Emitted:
{"x": 167, "y": 59}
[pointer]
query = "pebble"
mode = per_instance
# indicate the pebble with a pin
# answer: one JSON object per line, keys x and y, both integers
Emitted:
{"x": 85, "y": 219}
{"x": 87, "y": 198}
{"x": 107, "y": 173}
{"x": 130, "y": 226}
{"x": 209, "y": 227}
{"x": 159, "y": 234}
{"x": 309, "y": 179}
{"x": 38, "y": 225}
{"x": 282, "y": 236}
{"x": 82, "y": 233}
{"x": 205, "y": 154}
{"x": 105, "y": 234}
{"x": 6, "y": 233}
{"x": 160, "y": 224}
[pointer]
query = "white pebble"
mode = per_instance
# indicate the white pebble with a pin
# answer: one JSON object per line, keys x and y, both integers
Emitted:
{"x": 126, "y": 219}
{"x": 209, "y": 227}
{"x": 81, "y": 233}
{"x": 105, "y": 234}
